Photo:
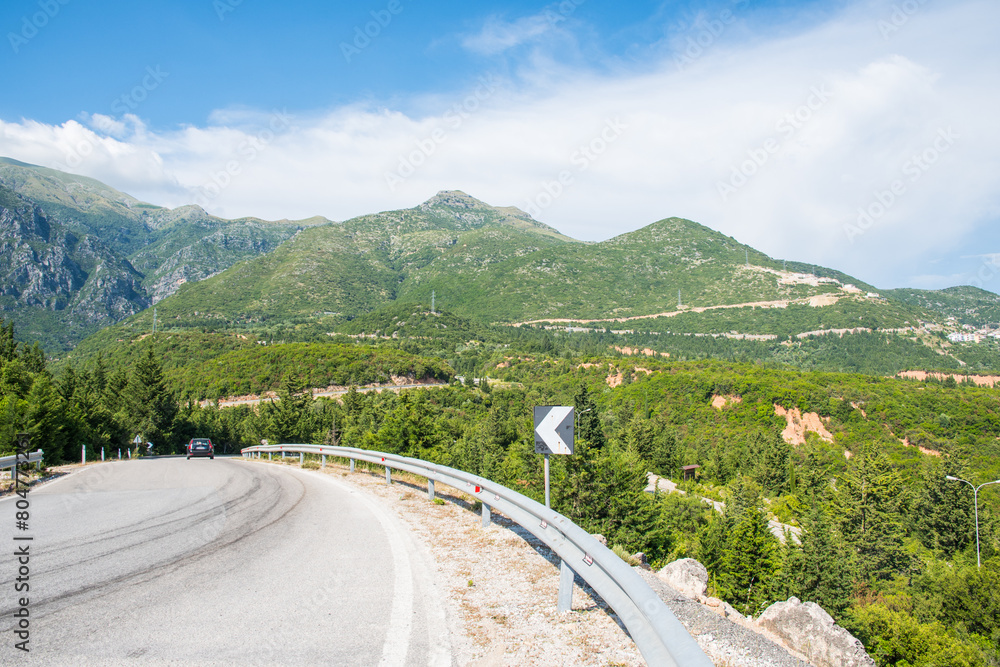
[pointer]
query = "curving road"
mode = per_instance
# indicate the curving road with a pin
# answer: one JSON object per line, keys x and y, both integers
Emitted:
{"x": 218, "y": 562}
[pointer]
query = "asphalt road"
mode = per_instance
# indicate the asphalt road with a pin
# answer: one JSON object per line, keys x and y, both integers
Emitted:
{"x": 212, "y": 562}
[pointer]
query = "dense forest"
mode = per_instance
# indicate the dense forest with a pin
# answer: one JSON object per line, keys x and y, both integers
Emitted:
{"x": 888, "y": 545}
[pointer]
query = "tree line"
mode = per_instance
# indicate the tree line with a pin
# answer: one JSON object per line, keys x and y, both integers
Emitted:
{"x": 888, "y": 546}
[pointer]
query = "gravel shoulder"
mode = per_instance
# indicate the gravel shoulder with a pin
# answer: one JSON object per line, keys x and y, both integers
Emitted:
{"x": 725, "y": 642}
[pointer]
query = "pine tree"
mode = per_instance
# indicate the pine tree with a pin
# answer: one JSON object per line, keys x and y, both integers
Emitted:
{"x": 480, "y": 450}
{"x": 613, "y": 502}
{"x": 819, "y": 570}
{"x": 288, "y": 418}
{"x": 943, "y": 512}
{"x": 749, "y": 561}
{"x": 588, "y": 421}
{"x": 149, "y": 408}
{"x": 33, "y": 358}
{"x": 770, "y": 469}
{"x": 12, "y": 421}
{"x": 749, "y": 564}
{"x": 8, "y": 346}
{"x": 870, "y": 503}
{"x": 46, "y": 417}
{"x": 68, "y": 382}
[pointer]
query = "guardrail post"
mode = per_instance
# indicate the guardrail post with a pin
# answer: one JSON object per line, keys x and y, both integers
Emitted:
{"x": 323, "y": 464}
{"x": 430, "y": 489}
{"x": 269, "y": 456}
{"x": 388, "y": 475}
{"x": 352, "y": 465}
{"x": 566, "y": 576}
{"x": 83, "y": 454}
{"x": 301, "y": 458}
{"x": 38, "y": 464}
{"x": 486, "y": 515}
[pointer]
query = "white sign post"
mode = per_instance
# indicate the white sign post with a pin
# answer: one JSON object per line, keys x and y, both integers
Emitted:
{"x": 553, "y": 434}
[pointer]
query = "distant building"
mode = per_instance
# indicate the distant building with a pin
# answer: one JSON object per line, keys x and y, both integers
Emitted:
{"x": 689, "y": 471}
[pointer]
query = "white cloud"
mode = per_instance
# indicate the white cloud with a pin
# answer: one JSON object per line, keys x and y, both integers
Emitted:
{"x": 499, "y": 35}
{"x": 816, "y": 125}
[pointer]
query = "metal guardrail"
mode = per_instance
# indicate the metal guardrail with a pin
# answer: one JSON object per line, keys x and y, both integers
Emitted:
{"x": 14, "y": 459}
{"x": 657, "y": 633}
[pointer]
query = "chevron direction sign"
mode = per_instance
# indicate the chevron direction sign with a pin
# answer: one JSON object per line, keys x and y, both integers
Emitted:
{"x": 553, "y": 429}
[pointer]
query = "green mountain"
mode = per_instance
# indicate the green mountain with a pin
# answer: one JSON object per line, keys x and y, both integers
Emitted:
{"x": 498, "y": 265}
{"x": 966, "y": 304}
{"x": 346, "y": 269}
{"x": 490, "y": 267}
{"x": 159, "y": 248}
{"x": 56, "y": 285}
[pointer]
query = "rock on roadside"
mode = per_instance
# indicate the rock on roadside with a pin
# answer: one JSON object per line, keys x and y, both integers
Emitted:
{"x": 723, "y": 641}
{"x": 809, "y": 630}
{"x": 687, "y": 576}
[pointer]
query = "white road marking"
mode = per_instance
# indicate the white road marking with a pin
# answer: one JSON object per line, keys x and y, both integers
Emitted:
{"x": 402, "y": 545}
{"x": 397, "y": 641}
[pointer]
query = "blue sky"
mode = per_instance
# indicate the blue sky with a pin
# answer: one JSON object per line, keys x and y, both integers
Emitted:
{"x": 858, "y": 135}
{"x": 221, "y": 54}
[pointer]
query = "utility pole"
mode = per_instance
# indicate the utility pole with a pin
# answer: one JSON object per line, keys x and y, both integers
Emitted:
{"x": 432, "y": 301}
{"x": 678, "y": 299}
{"x": 748, "y": 257}
{"x": 154, "y": 319}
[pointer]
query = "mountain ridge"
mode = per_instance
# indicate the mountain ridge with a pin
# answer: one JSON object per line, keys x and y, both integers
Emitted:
{"x": 486, "y": 263}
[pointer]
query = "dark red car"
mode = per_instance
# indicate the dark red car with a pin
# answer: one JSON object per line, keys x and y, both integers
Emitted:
{"x": 200, "y": 447}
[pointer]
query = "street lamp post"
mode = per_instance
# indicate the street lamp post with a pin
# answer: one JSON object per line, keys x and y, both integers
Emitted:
{"x": 975, "y": 502}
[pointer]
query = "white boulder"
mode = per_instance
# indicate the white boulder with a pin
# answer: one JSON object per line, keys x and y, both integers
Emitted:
{"x": 687, "y": 576}
{"x": 809, "y": 630}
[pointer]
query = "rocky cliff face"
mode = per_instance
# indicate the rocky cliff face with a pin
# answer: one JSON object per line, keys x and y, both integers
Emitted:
{"x": 77, "y": 255}
{"x": 44, "y": 265}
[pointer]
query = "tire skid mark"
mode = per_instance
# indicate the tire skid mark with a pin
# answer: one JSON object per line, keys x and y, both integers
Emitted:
{"x": 137, "y": 529}
{"x": 45, "y": 606}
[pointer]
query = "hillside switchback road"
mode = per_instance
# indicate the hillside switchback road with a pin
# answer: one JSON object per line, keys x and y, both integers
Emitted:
{"x": 217, "y": 562}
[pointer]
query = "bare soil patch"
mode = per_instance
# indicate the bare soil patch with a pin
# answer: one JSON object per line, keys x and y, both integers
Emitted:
{"x": 799, "y": 424}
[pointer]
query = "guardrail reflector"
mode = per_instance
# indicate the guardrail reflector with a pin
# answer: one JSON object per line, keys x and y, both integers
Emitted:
{"x": 545, "y": 524}
{"x": 588, "y": 559}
